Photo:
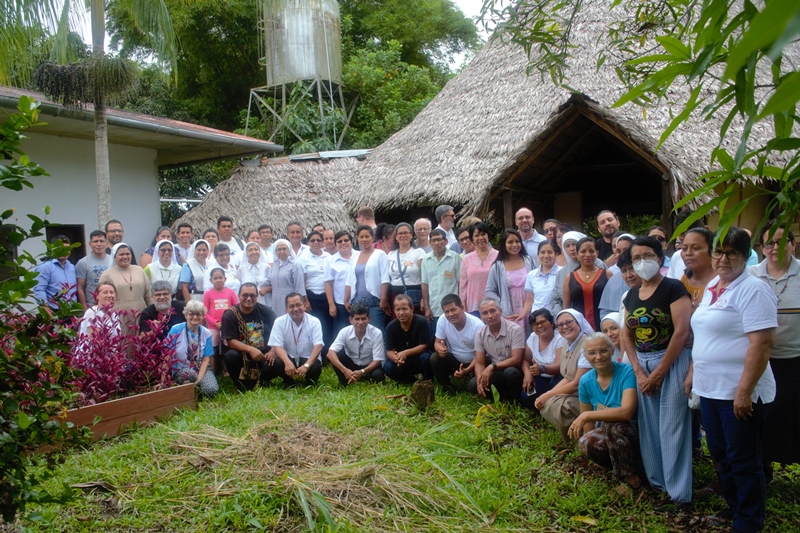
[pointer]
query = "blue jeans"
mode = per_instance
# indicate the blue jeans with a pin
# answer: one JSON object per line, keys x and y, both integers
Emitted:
{"x": 407, "y": 373}
{"x": 737, "y": 448}
{"x": 341, "y": 321}
{"x": 319, "y": 310}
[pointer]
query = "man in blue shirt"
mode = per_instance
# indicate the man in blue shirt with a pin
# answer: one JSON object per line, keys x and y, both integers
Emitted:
{"x": 56, "y": 280}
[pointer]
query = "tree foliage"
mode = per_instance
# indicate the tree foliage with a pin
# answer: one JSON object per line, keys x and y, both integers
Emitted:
{"x": 729, "y": 57}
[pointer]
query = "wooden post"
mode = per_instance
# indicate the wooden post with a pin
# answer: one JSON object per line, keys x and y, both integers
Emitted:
{"x": 508, "y": 209}
{"x": 666, "y": 203}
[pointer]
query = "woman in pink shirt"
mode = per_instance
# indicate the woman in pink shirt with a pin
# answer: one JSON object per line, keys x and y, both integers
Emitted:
{"x": 475, "y": 268}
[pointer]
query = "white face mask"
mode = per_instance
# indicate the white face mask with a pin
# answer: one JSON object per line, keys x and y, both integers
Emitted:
{"x": 646, "y": 268}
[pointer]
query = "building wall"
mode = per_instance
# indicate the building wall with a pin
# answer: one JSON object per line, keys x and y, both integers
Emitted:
{"x": 71, "y": 190}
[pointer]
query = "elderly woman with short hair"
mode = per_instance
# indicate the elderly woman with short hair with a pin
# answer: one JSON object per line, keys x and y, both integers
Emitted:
{"x": 734, "y": 331}
{"x": 606, "y": 429}
{"x": 285, "y": 277}
{"x": 193, "y": 350}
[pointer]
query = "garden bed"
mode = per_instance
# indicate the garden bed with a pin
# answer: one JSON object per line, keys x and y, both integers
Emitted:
{"x": 115, "y": 415}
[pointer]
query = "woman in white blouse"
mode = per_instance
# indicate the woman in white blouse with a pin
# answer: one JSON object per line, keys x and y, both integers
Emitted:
{"x": 368, "y": 280}
{"x": 405, "y": 262}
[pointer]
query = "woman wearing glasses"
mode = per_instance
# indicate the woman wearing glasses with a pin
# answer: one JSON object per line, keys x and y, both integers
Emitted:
{"x": 781, "y": 271}
{"x": 405, "y": 262}
{"x": 560, "y": 405}
{"x": 336, "y": 278}
{"x": 656, "y": 328}
{"x": 165, "y": 268}
{"x": 194, "y": 350}
{"x": 539, "y": 365}
{"x": 734, "y": 331}
{"x": 660, "y": 234}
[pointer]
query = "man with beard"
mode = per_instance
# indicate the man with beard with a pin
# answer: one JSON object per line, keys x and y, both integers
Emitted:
{"x": 163, "y": 306}
{"x": 115, "y": 234}
{"x": 608, "y": 225}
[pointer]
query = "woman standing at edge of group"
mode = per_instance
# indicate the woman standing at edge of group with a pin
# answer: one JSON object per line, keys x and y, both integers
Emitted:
{"x": 475, "y": 268}
{"x": 583, "y": 287}
{"x": 133, "y": 285}
{"x": 507, "y": 276}
{"x": 285, "y": 277}
{"x": 734, "y": 331}
{"x": 656, "y": 328}
{"x": 336, "y": 279}
{"x": 368, "y": 280}
{"x": 404, "y": 266}
{"x": 193, "y": 272}
{"x": 165, "y": 268}
{"x": 781, "y": 271}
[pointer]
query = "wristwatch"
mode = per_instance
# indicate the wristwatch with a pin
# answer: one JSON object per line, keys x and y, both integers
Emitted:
{"x": 494, "y": 365}
{"x": 542, "y": 369}
{"x": 307, "y": 365}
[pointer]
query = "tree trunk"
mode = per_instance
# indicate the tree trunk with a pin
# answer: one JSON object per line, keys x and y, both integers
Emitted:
{"x": 102, "y": 171}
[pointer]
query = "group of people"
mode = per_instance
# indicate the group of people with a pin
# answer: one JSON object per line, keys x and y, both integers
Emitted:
{"x": 623, "y": 348}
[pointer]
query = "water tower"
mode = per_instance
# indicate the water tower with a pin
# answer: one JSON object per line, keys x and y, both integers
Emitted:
{"x": 301, "y": 50}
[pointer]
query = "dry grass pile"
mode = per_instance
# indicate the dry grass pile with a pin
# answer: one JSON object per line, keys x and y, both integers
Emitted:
{"x": 326, "y": 483}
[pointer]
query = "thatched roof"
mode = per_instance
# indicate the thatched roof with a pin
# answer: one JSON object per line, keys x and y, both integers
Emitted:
{"x": 474, "y": 136}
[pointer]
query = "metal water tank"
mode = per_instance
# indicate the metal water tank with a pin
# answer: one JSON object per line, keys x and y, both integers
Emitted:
{"x": 302, "y": 41}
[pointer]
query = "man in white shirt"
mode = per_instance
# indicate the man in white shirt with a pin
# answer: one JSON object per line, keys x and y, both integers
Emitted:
{"x": 225, "y": 231}
{"x": 184, "y": 234}
{"x": 358, "y": 352}
{"x": 267, "y": 247}
{"x": 454, "y": 347}
{"x": 297, "y": 339}
{"x": 446, "y": 216}
{"x": 530, "y": 237}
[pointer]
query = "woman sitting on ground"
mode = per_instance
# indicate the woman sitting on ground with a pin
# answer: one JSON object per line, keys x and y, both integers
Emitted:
{"x": 540, "y": 366}
{"x": 560, "y": 405}
{"x": 607, "y": 393}
{"x": 193, "y": 350}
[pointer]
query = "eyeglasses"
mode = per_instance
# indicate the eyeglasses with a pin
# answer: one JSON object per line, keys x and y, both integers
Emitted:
{"x": 312, "y": 241}
{"x": 248, "y": 296}
{"x": 227, "y": 254}
{"x": 732, "y": 255}
{"x": 540, "y": 323}
{"x": 773, "y": 244}
{"x": 646, "y": 257}
{"x": 436, "y": 239}
{"x": 160, "y": 295}
{"x": 604, "y": 351}
{"x": 342, "y": 241}
{"x": 549, "y": 230}
{"x": 115, "y": 231}
{"x": 449, "y": 216}
{"x": 565, "y": 324}
{"x": 659, "y": 238}
{"x": 165, "y": 251}
{"x": 403, "y": 233}
{"x": 195, "y": 315}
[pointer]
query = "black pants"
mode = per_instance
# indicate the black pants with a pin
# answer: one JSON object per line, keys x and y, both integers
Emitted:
{"x": 319, "y": 309}
{"x": 376, "y": 375}
{"x": 234, "y": 364}
{"x": 508, "y": 382}
{"x": 444, "y": 367}
{"x": 314, "y": 370}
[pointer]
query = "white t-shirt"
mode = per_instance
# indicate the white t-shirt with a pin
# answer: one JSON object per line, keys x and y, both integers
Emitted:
{"x": 314, "y": 269}
{"x": 460, "y": 343}
{"x": 676, "y": 266}
{"x": 720, "y": 337}
{"x": 298, "y": 341}
{"x": 336, "y": 268}
{"x": 410, "y": 265}
{"x": 548, "y": 356}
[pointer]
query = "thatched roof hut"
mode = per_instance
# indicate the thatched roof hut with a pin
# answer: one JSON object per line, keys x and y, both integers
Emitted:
{"x": 495, "y": 138}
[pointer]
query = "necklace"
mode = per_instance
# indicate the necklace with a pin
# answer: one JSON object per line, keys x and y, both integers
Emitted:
{"x": 129, "y": 281}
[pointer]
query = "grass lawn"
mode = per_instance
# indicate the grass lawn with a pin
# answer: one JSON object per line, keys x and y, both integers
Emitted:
{"x": 359, "y": 459}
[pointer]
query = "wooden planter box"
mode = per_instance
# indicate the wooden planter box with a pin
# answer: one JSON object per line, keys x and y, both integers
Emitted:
{"x": 115, "y": 415}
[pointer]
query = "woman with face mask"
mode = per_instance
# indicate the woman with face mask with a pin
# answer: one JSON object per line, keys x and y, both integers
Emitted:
{"x": 655, "y": 331}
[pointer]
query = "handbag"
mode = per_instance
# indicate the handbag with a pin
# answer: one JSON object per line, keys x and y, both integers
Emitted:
{"x": 414, "y": 294}
{"x": 250, "y": 369}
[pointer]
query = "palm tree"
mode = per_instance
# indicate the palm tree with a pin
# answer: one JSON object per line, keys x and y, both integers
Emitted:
{"x": 92, "y": 80}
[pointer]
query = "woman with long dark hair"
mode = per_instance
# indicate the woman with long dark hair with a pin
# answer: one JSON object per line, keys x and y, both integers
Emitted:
{"x": 506, "y": 283}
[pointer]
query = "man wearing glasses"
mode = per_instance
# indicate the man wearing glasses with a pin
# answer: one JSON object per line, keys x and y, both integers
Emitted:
{"x": 297, "y": 340}
{"x": 422, "y": 230}
{"x": 441, "y": 272}
{"x": 246, "y": 329}
{"x": 446, "y": 216}
{"x": 499, "y": 346}
{"x": 164, "y": 312}
{"x": 115, "y": 234}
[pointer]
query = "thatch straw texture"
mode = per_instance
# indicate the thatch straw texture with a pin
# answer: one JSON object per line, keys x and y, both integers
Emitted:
{"x": 481, "y": 125}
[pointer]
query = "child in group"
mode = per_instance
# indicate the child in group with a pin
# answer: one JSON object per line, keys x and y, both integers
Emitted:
{"x": 216, "y": 300}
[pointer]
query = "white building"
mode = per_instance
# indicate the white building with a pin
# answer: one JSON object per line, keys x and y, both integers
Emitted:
{"x": 139, "y": 146}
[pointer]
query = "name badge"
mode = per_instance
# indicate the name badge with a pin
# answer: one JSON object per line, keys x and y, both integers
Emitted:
{"x": 448, "y": 274}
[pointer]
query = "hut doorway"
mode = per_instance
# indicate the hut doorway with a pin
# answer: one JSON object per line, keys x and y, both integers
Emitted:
{"x": 578, "y": 167}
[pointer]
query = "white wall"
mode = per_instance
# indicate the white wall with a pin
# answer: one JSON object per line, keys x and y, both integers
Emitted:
{"x": 71, "y": 190}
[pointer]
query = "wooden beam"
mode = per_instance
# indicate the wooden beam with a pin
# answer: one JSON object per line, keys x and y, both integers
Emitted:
{"x": 645, "y": 156}
{"x": 508, "y": 209}
{"x": 666, "y": 204}
{"x": 566, "y": 153}
{"x": 539, "y": 149}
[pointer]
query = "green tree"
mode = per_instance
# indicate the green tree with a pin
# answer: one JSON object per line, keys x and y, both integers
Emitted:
{"x": 92, "y": 80}
{"x": 717, "y": 49}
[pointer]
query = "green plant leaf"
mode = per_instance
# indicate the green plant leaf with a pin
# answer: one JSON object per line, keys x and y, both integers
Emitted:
{"x": 784, "y": 98}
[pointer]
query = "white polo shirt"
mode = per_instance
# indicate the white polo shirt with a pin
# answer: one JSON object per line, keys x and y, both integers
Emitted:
{"x": 298, "y": 341}
{"x": 314, "y": 268}
{"x": 460, "y": 343}
{"x": 336, "y": 268}
{"x": 720, "y": 337}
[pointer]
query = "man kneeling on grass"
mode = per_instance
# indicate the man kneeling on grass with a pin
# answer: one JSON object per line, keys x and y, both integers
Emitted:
{"x": 245, "y": 329}
{"x": 408, "y": 340}
{"x": 297, "y": 340}
{"x": 357, "y": 353}
{"x": 454, "y": 347}
{"x": 499, "y": 346}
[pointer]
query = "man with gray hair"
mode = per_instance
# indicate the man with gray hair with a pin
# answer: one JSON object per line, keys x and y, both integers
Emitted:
{"x": 446, "y": 217}
{"x": 422, "y": 231}
{"x": 164, "y": 312}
